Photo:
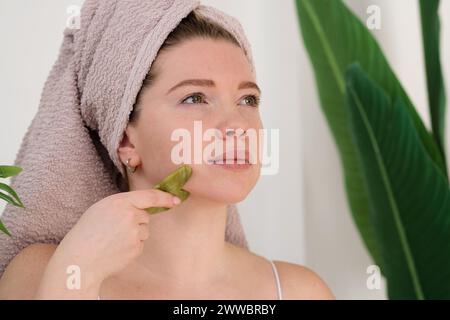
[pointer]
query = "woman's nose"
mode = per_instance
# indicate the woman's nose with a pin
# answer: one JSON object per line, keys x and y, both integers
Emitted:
{"x": 234, "y": 125}
{"x": 234, "y": 132}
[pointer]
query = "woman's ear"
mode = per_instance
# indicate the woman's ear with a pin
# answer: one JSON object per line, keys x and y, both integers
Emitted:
{"x": 126, "y": 148}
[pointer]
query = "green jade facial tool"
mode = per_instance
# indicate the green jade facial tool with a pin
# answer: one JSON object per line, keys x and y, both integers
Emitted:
{"x": 173, "y": 184}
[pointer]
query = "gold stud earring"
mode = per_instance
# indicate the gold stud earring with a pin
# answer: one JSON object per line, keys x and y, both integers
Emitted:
{"x": 130, "y": 168}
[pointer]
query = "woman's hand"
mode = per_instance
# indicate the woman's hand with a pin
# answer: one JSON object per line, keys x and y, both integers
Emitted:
{"x": 111, "y": 233}
{"x": 107, "y": 237}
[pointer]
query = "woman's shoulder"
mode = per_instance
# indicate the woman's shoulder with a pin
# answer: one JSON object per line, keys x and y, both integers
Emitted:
{"x": 300, "y": 282}
{"x": 22, "y": 276}
{"x": 297, "y": 282}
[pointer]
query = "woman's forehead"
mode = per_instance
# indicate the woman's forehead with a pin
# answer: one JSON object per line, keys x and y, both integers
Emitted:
{"x": 201, "y": 58}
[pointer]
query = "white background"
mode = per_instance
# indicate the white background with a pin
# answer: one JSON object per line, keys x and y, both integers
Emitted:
{"x": 299, "y": 215}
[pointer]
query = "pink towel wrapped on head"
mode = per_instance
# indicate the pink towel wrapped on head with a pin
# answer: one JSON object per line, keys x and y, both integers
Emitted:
{"x": 69, "y": 152}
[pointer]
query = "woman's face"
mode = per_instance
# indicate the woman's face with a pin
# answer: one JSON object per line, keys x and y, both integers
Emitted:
{"x": 225, "y": 101}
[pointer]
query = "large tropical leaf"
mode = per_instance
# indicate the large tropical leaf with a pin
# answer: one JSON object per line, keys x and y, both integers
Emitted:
{"x": 335, "y": 38}
{"x": 435, "y": 82}
{"x": 409, "y": 197}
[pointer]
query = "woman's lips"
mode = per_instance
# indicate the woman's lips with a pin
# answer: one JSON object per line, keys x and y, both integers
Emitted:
{"x": 230, "y": 156}
{"x": 231, "y": 163}
{"x": 235, "y": 165}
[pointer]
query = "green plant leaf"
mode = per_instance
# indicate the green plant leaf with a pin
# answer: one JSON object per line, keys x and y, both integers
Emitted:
{"x": 10, "y": 200}
{"x": 335, "y": 38}
{"x": 409, "y": 197}
{"x": 8, "y": 189}
{"x": 435, "y": 81}
{"x": 4, "y": 229}
{"x": 173, "y": 184}
{"x": 9, "y": 171}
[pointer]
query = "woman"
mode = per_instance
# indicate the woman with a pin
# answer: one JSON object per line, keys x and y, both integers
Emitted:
{"x": 118, "y": 249}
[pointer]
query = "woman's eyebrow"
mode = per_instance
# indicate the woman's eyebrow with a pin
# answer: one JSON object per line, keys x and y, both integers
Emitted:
{"x": 249, "y": 85}
{"x": 210, "y": 83}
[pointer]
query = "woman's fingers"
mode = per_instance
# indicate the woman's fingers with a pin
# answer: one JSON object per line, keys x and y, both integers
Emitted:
{"x": 143, "y": 199}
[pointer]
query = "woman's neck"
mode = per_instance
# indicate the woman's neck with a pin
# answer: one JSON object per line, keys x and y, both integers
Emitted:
{"x": 186, "y": 244}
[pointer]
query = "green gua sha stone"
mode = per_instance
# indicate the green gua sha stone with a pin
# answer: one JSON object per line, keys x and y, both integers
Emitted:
{"x": 173, "y": 184}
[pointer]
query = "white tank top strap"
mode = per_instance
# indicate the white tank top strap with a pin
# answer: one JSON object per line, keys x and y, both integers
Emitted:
{"x": 277, "y": 279}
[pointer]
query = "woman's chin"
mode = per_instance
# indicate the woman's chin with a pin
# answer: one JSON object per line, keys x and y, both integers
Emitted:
{"x": 221, "y": 186}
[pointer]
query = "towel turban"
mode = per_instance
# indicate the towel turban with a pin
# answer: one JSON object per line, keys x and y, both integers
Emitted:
{"x": 69, "y": 152}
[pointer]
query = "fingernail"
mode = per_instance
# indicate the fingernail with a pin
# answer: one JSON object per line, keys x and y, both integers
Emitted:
{"x": 176, "y": 200}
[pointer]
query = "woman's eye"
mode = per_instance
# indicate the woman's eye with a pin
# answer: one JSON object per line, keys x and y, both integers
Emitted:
{"x": 193, "y": 99}
{"x": 252, "y": 100}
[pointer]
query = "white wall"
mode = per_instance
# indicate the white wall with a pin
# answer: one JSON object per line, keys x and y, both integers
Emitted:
{"x": 300, "y": 214}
